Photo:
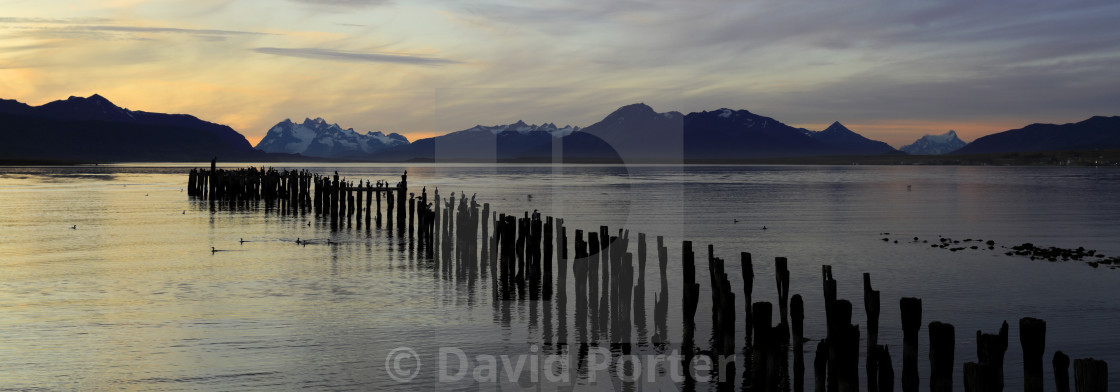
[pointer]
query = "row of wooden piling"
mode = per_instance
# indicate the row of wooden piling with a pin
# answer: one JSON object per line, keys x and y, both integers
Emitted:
{"x": 609, "y": 294}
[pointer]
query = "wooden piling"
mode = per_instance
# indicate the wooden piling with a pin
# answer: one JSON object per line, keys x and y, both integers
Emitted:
{"x": 1090, "y": 375}
{"x": 820, "y": 367}
{"x": 1061, "y": 371}
{"x": 911, "y": 323}
{"x": 885, "y": 369}
{"x": 941, "y": 346}
{"x": 781, "y": 278}
{"x": 871, "y": 307}
{"x": 797, "y": 315}
{"x": 748, "y": 288}
{"x": 1032, "y": 337}
{"x": 547, "y": 262}
{"x": 661, "y": 302}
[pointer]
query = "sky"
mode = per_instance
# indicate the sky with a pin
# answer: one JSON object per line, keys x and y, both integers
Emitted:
{"x": 891, "y": 70}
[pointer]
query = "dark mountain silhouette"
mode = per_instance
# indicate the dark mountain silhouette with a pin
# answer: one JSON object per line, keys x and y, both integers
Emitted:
{"x": 479, "y": 143}
{"x": 94, "y": 129}
{"x": 1095, "y": 133}
{"x": 637, "y": 133}
{"x": 733, "y": 134}
{"x": 846, "y": 142}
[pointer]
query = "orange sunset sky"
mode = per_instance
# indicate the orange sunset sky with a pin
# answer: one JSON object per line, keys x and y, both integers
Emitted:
{"x": 890, "y": 70}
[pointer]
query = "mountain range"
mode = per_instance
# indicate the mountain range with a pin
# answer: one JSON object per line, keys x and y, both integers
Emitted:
{"x": 317, "y": 138}
{"x": 1098, "y": 132}
{"x": 93, "y": 129}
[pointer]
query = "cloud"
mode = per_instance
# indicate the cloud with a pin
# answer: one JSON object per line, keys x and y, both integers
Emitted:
{"x": 14, "y": 20}
{"x": 172, "y": 30}
{"x": 337, "y": 55}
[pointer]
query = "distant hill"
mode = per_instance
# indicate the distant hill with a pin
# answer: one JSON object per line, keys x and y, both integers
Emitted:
{"x": 1095, "y": 133}
{"x": 846, "y": 142}
{"x": 317, "y": 138}
{"x": 935, "y": 144}
{"x": 637, "y": 133}
{"x": 478, "y": 143}
{"x": 94, "y": 129}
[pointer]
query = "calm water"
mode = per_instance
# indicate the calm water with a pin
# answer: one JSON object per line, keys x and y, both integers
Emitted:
{"x": 134, "y": 299}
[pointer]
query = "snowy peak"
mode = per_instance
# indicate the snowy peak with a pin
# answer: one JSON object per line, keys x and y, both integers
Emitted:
{"x": 320, "y": 138}
{"x": 935, "y": 144}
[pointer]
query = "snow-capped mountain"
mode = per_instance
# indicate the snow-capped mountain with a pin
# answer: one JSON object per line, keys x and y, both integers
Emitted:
{"x": 318, "y": 138}
{"x": 935, "y": 144}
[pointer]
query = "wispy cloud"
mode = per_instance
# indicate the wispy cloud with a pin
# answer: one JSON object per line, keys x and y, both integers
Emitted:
{"x": 338, "y": 55}
{"x": 171, "y": 30}
{"x": 14, "y": 20}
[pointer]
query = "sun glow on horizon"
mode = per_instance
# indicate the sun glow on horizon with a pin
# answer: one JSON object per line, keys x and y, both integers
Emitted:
{"x": 423, "y": 69}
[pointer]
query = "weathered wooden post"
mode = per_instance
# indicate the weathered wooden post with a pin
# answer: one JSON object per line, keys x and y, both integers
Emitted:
{"x": 605, "y": 263}
{"x": 411, "y": 213}
{"x": 871, "y": 307}
{"x": 763, "y": 342}
{"x": 358, "y": 203}
{"x": 747, "y": 267}
{"x": 1061, "y": 371}
{"x": 1090, "y": 375}
{"x": 547, "y": 279}
{"x": 942, "y": 339}
{"x": 911, "y": 323}
{"x": 885, "y": 367}
{"x": 639, "y": 294}
{"x": 593, "y": 282}
{"x": 797, "y": 314}
{"x": 369, "y": 200}
{"x": 485, "y": 235}
{"x": 661, "y": 302}
{"x": 820, "y": 367}
{"x": 691, "y": 297}
{"x": 390, "y": 202}
{"x": 378, "y": 192}
{"x": 579, "y": 270}
{"x": 1032, "y": 337}
{"x": 781, "y": 277}
{"x": 402, "y": 194}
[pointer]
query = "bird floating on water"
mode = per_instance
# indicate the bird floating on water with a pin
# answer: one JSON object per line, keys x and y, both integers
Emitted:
{"x": 763, "y": 227}
{"x": 74, "y": 227}
{"x": 736, "y": 220}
